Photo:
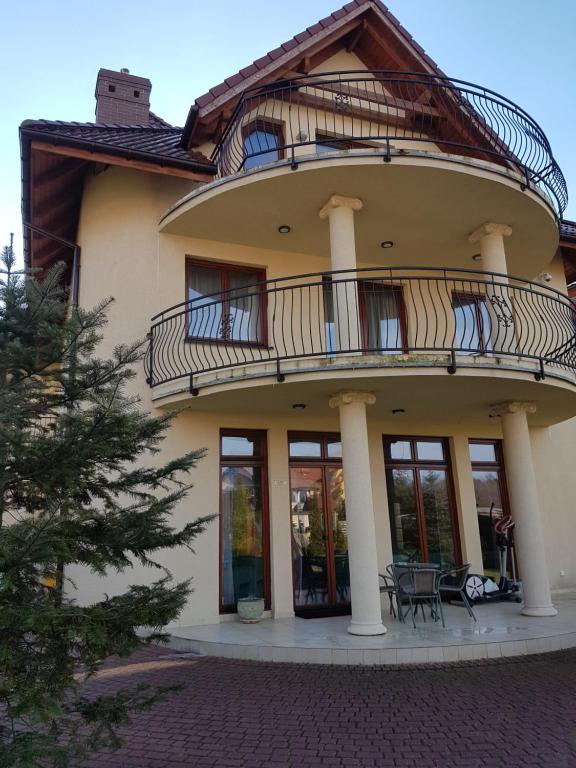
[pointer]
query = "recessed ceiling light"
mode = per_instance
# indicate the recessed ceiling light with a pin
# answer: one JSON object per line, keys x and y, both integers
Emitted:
{"x": 477, "y": 257}
{"x": 386, "y": 244}
{"x": 299, "y": 406}
{"x": 397, "y": 411}
{"x": 284, "y": 229}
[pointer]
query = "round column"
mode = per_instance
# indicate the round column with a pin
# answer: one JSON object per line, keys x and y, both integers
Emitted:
{"x": 528, "y": 533}
{"x": 339, "y": 211}
{"x": 362, "y": 554}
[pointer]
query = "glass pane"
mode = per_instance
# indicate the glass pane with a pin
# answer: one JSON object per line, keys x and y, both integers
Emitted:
{"x": 437, "y": 517}
{"x": 483, "y": 452}
{"x": 329, "y": 324}
{"x": 383, "y": 327}
{"x": 308, "y": 448}
{"x": 337, "y": 511}
{"x": 239, "y": 445}
{"x": 403, "y": 515}
{"x": 398, "y": 450}
{"x": 472, "y": 320}
{"x": 308, "y": 537}
{"x": 205, "y": 313}
{"x": 429, "y": 451}
{"x": 255, "y": 146}
{"x": 487, "y": 489}
{"x": 244, "y": 316}
{"x": 242, "y": 550}
{"x": 334, "y": 449}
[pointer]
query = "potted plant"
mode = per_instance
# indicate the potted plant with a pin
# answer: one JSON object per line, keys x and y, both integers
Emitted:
{"x": 250, "y": 609}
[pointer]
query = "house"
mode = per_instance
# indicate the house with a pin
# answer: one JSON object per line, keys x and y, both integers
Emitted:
{"x": 353, "y": 274}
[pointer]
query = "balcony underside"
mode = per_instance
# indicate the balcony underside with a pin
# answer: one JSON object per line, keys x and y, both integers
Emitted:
{"x": 426, "y": 203}
{"x": 425, "y": 391}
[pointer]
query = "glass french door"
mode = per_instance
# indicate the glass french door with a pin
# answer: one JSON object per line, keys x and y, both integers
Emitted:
{"x": 420, "y": 500}
{"x": 318, "y": 522}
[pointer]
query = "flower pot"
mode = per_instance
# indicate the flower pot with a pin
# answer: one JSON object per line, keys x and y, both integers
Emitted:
{"x": 250, "y": 609}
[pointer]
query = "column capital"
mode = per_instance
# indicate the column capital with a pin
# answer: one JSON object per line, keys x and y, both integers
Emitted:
{"x": 345, "y": 398}
{"x": 512, "y": 406}
{"x": 489, "y": 228}
{"x": 338, "y": 201}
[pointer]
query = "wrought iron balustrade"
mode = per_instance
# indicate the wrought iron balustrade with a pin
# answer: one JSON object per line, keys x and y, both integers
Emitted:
{"x": 386, "y": 112}
{"x": 385, "y": 316}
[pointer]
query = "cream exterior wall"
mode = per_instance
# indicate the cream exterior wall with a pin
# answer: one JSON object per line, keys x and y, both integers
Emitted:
{"x": 123, "y": 255}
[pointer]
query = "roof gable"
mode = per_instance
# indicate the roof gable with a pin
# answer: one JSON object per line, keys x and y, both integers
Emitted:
{"x": 363, "y": 27}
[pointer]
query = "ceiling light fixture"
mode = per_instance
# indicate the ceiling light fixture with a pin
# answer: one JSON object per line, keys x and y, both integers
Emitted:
{"x": 397, "y": 411}
{"x": 477, "y": 257}
{"x": 284, "y": 229}
{"x": 387, "y": 244}
{"x": 299, "y": 406}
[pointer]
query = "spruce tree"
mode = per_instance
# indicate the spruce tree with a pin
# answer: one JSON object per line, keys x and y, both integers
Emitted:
{"x": 81, "y": 483}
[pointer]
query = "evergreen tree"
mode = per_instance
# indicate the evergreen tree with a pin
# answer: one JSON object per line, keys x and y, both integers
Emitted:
{"x": 79, "y": 485}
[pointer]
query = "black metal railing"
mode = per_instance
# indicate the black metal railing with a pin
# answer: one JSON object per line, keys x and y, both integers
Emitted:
{"x": 386, "y": 112}
{"x": 396, "y": 316}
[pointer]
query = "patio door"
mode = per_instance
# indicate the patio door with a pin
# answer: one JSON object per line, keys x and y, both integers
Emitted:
{"x": 318, "y": 522}
{"x": 423, "y": 521}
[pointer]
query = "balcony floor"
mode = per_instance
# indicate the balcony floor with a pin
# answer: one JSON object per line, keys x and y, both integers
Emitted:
{"x": 500, "y": 631}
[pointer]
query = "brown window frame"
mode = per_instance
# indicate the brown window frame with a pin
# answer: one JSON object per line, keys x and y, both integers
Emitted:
{"x": 341, "y": 142}
{"x": 415, "y": 463}
{"x": 375, "y": 287}
{"x": 267, "y": 125}
{"x": 224, "y": 268}
{"x": 260, "y": 461}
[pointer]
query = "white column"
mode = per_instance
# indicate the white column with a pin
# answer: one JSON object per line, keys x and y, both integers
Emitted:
{"x": 521, "y": 481}
{"x": 362, "y": 553}
{"x": 340, "y": 214}
{"x": 490, "y": 237}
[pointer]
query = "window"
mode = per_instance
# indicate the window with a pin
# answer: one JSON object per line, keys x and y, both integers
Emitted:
{"x": 382, "y": 315}
{"x": 472, "y": 321}
{"x": 491, "y": 500}
{"x": 225, "y": 302}
{"x": 244, "y": 527}
{"x": 263, "y": 142}
{"x": 326, "y": 142}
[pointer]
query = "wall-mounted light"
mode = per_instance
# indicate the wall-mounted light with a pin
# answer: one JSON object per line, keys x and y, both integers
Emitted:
{"x": 284, "y": 229}
{"x": 387, "y": 244}
{"x": 299, "y": 406}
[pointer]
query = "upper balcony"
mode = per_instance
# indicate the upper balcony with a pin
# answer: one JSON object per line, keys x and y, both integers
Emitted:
{"x": 508, "y": 337}
{"x": 418, "y": 149}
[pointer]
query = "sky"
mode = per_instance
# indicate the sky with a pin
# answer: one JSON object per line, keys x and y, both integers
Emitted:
{"x": 51, "y": 53}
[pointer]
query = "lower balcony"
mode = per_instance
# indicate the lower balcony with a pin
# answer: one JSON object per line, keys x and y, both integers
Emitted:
{"x": 376, "y": 322}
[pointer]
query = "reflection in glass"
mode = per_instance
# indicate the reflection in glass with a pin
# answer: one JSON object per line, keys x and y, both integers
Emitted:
{"x": 437, "y": 517}
{"x": 242, "y": 546}
{"x": 487, "y": 489}
{"x": 255, "y": 145}
{"x": 428, "y": 450}
{"x": 243, "y": 308}
{"x": 308, "y": 535}
{"x": 334, "y": 449}
{"x": 239, "y": 445}
{"x": 337, "y": 512}
{"x": 205, "y": 314}
{"x": 483, "y": 452}
{"x": 307, "y": 448}
{"x": 400, "y": 450}
{"x": 472, "y": 320}
{"x": 403, "y": 515}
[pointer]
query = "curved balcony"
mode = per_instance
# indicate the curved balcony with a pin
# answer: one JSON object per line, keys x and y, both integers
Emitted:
{"x": 391, "y": 113}
{"x": 392, "y": 318}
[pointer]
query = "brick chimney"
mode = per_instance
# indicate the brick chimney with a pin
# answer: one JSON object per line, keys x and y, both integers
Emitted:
{"x": 122, "y": 98}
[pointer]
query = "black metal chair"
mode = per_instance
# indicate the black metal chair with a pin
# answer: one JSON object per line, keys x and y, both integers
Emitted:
{"x": 453, "y": 583}
{"x": 421, "y": 586}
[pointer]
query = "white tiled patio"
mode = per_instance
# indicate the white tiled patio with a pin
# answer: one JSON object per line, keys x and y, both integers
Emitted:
{"x": 500, "y": 631}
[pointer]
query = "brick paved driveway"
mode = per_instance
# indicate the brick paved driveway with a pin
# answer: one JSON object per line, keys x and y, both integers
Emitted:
{"x": 514, "y": 713}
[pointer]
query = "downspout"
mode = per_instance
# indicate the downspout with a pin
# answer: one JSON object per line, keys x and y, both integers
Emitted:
{"x": 75, "y": 292}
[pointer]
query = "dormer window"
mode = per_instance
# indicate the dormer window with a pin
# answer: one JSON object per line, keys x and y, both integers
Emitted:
{"x": 262, "y": 143}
